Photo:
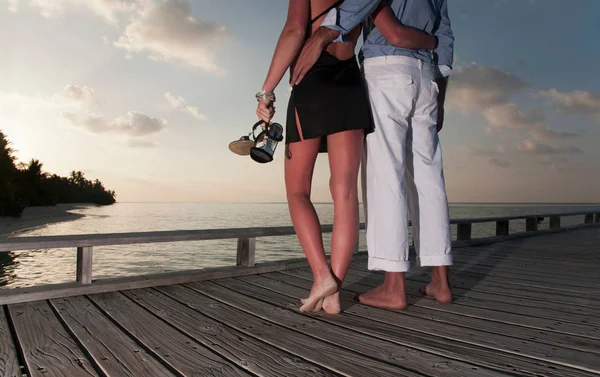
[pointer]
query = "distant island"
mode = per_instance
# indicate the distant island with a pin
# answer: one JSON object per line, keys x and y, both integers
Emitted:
{"x": 26, "y": 185}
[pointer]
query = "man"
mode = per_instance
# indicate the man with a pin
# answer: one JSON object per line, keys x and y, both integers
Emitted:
{"x": 403, "y": 166}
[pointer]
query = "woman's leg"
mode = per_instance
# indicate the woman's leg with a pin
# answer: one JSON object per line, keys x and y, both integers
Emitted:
{"x": 299, "y": 167}
{"x": 345, "y": 153}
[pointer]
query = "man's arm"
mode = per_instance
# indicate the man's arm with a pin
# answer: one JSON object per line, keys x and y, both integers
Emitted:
{"x": 400, "y": 35}
{"x": 349, "y": 15}
{"x": 339, "y": 22}
{"x": 444, "y": 52}
{"x": 444, "y": 58}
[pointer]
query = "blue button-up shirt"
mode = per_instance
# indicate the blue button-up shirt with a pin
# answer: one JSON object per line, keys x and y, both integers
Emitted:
{"x": 430, "y": 16}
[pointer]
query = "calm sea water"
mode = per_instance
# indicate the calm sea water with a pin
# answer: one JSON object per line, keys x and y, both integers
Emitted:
{"x": 36, "y": 267}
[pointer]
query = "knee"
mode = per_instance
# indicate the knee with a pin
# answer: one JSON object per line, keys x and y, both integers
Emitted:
{"x": 297, "y": 195}
{"x": 343, "y": 189}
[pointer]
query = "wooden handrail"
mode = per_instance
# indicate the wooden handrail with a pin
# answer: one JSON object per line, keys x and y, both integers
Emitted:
{"x": 111, "y": 239}
{"x": 246, "y": 240}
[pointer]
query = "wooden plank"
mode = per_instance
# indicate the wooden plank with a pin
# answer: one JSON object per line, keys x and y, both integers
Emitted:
{"x": 547, "y": 254}
{"x": 246, "y": 252}
{"x": 184, "y": 355}
{"x": 547, "y": 325}
{"x": 547, "y": 281}
{"x": 522, "y": 328}
{"x": 9, "y": 361}
{"x": 267, "y": 305}
{"x": 316, "y": 351}
{"x": 48, "y": 349}
{"x": 502, "y": 228}
{"x": 235, "y": 346}
{"x": 539, "y": 309}
{"x": 472, "y": 283}
{"x": 27, "y": 294}
{"x": 531, "y": 268}
{"x": 531, "y": 224}
{"x": 112, "y": 350}
{"x": 461, "y": 346}
{"x": 84, "y": 265}
{"x": 463, "y": 232}
{"x": 491, "y": 274}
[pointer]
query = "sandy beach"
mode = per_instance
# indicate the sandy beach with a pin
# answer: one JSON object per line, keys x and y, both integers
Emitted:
{"x": 35, "y": 217}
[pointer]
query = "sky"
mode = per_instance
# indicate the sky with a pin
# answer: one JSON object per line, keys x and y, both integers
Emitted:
{"x": 146, "y": 95}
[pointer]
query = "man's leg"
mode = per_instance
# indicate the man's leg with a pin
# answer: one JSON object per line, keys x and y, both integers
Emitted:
{"x": 391, "y": 91}
{"x": 425, "y": 169}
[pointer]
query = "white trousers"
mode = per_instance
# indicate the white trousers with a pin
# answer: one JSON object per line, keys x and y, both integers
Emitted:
{"x": 402, "y": 168}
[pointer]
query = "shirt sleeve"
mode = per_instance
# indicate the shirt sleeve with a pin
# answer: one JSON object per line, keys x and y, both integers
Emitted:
{"x": 445, "y": 48}
{"x": 350, "y": 14}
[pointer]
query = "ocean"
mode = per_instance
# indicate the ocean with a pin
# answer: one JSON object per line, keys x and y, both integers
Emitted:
{"x": 36, "y": 267}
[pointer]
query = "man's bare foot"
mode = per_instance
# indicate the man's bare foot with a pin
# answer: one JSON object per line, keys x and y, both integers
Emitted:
{"x": 384, "y": 298}
{"x": 331, "y": 304}
{"x": 439, "y": 288}
{"x": 319, "y": 291}
{"x": 441, "y": 294}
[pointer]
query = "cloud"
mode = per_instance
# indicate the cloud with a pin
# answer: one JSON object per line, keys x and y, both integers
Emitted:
{"x": 499, "y": 163}
{"x": 70, "y": 97}
{"x": 524, "y": 123}
{"x": 179, "y": 103}
{"x": 575, "y": 102}
{"x": 80, "y": 94}
{"x": 142, "y": 144}
{"x": 476, "y": 87}
{"x": 492, "y": 155}
{"x": 109, "y": 10}
{"x": 13, "y": 5}
{"x": 537, "y": 148}
{"x": 167, "y": 31}
{"x": 134, "y": 124}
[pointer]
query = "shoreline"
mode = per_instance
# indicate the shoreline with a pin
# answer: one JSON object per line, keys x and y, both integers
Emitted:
{"x": 36, "y": 217}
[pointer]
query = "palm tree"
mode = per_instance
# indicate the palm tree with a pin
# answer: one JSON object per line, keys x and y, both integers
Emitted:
{"x": 11, "y": 202}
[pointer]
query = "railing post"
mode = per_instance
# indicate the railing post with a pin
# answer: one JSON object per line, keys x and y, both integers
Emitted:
{"x": 502, "y": 228}
{"x": 589, "y": 218}
{"x": 463, "y": 232}
{"x": 554, "y": 222}
{"x": 246, "y": 251}
{"x": 531, "y": 224}
{"x": 84, "y": 265}
{"x": 597, "y": 218}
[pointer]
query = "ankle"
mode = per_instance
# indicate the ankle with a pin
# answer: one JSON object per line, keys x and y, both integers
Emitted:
{"x": 322, "y": 274}
{"x": 394, "y": 282}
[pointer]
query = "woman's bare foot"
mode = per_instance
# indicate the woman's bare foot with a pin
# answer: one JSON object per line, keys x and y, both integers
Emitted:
{"x": 331, "y": 304}
{"x": 318, "y": 293}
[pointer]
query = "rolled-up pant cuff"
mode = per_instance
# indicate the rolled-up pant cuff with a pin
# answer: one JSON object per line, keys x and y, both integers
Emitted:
{"x": 435, "y": 260}
{"x": 378, "y": 264}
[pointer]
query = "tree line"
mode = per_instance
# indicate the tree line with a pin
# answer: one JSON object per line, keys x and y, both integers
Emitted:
{"x": 23, "y": 185}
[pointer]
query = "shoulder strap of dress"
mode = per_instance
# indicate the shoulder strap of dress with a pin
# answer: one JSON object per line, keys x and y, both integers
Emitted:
{"x": 326, "y": 11}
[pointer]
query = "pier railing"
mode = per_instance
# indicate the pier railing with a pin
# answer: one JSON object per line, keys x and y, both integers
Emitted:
{"x": 246, "y": 243}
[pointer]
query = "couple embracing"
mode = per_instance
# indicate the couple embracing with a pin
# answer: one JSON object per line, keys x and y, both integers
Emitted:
{"x": 384, "y": 117}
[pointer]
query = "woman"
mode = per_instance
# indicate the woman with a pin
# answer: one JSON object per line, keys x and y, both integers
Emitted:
{"x": 327, "y": 112}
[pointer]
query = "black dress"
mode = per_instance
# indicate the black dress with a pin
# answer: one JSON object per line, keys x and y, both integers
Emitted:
{"x": 331, "y": 98}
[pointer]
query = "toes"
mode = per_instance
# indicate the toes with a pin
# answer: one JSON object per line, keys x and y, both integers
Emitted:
{"x": 318, "y": 306}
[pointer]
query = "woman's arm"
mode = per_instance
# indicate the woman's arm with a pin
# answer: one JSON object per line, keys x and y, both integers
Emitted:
{"x": 290, "y": 42}
{"x": 400, "y": 35}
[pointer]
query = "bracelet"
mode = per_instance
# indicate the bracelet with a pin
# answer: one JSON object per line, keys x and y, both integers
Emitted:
{"x": 265, "y": 95}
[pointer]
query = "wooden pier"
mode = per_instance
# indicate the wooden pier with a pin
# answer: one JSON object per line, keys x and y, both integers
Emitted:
{"x": 526, "y": 304}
